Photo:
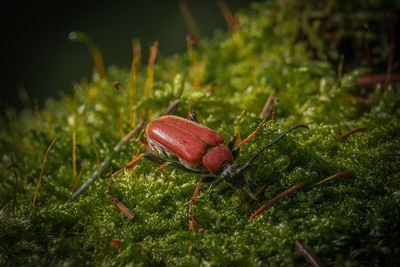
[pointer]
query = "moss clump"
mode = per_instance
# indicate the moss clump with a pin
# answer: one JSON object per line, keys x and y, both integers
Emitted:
{"x": 349, "y": 221}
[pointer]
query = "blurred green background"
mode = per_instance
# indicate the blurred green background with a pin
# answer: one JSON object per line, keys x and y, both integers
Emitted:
{"x": 37, "y": 56}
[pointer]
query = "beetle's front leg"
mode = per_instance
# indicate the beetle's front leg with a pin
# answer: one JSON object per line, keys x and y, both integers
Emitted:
{"x": 232, "y": 142}
{"x": 235, "y": 151}
{"x": 215, "y": 183}
{"x": 192, "y": 220}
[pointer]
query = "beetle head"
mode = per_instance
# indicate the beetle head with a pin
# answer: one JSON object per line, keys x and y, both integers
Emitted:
{"x": 233, "y": 174}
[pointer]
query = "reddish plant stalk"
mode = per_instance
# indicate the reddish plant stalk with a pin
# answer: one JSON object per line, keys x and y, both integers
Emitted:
{"x": 347, "y": 134}
{"x": 259, "y": 191}
{"x": 367, "y": 29}
{"x": 275, "y": 199}
{"x": 187, "y": 16}
{"x": 228, "y": 16}
{"x": 41, "y": 172}
{"x": 97, "y": 157}
{"x": 373, "y": 79}
{"x": 129, "y": 214}
{"x": 311, "y": 258}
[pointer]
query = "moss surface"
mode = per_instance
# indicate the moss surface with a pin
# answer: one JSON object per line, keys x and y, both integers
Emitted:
{"x": 278, "y": 50}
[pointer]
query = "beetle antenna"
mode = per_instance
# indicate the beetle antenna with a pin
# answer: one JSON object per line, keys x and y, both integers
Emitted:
{"x": 245, "y": 166}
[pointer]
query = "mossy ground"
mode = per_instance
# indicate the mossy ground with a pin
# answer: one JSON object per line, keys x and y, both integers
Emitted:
{"x": 226, "y": 81}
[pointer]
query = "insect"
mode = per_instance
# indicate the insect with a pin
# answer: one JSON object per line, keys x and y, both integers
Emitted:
{"x": 197, "y": 149}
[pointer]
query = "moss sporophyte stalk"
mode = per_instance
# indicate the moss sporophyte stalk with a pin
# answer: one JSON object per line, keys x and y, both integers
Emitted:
{"x": 327, "y": 195}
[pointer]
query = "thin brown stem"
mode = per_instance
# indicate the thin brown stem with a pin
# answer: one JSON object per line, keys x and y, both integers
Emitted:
{"x": 97, "y": 156}
{"x": 367, "y": 29}
{"x": 339, "y": 174}
{"x": 41, "y": 172}
{"x": 134, "y": 68}
{"x": 129, "y": 214}
{"x": 98, "y": 59}
{"x": 311, "y": 258}
{"x": 172, "y": 107}
{"x": 259, "y": 191}
{"x": 74, "y": 152}
{"x": 373, "y": 79}
{"x": 275, "y": 199}
{"x": 187, "y": 16}
{"x": 346, "y": 135}
{"x": 148, "y": 91}
{"x": 227, "y": 13}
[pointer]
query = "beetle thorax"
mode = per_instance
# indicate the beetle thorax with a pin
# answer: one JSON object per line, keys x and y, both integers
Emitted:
{"x": 215, "y": 158}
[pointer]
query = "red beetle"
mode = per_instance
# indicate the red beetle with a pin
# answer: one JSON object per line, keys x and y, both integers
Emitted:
{"x": 198, "y": 149}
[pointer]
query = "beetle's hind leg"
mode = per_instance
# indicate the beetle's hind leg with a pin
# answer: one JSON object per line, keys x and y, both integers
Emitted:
{"x": 192, "y": 220}
{"x": 164, "y": 163}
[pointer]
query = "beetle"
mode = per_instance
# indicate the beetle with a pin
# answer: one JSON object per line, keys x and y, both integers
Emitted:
{"x": 197, "y": 149}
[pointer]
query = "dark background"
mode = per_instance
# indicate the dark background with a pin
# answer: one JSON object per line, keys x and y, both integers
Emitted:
{"x": 37, "y": 56}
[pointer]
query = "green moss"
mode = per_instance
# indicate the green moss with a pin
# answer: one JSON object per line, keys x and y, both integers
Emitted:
{"x": 350, "y": 221}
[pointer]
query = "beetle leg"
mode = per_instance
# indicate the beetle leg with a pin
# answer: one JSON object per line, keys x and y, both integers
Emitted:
{"x": 252, "y": 135}
{"x": 133, "y": 162}
{"x": 128, "y": 165}
{"x": 161, "y": 161}
{"x": 146, "y": 145}
{"x": 215, "y": 183}
{"x": 163, "y": 166}
{"x": 235, "y": 152}
{"x": 193, "y": 117}
{"x": 192, "y": 220}
{"x": 232, "y": 142}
